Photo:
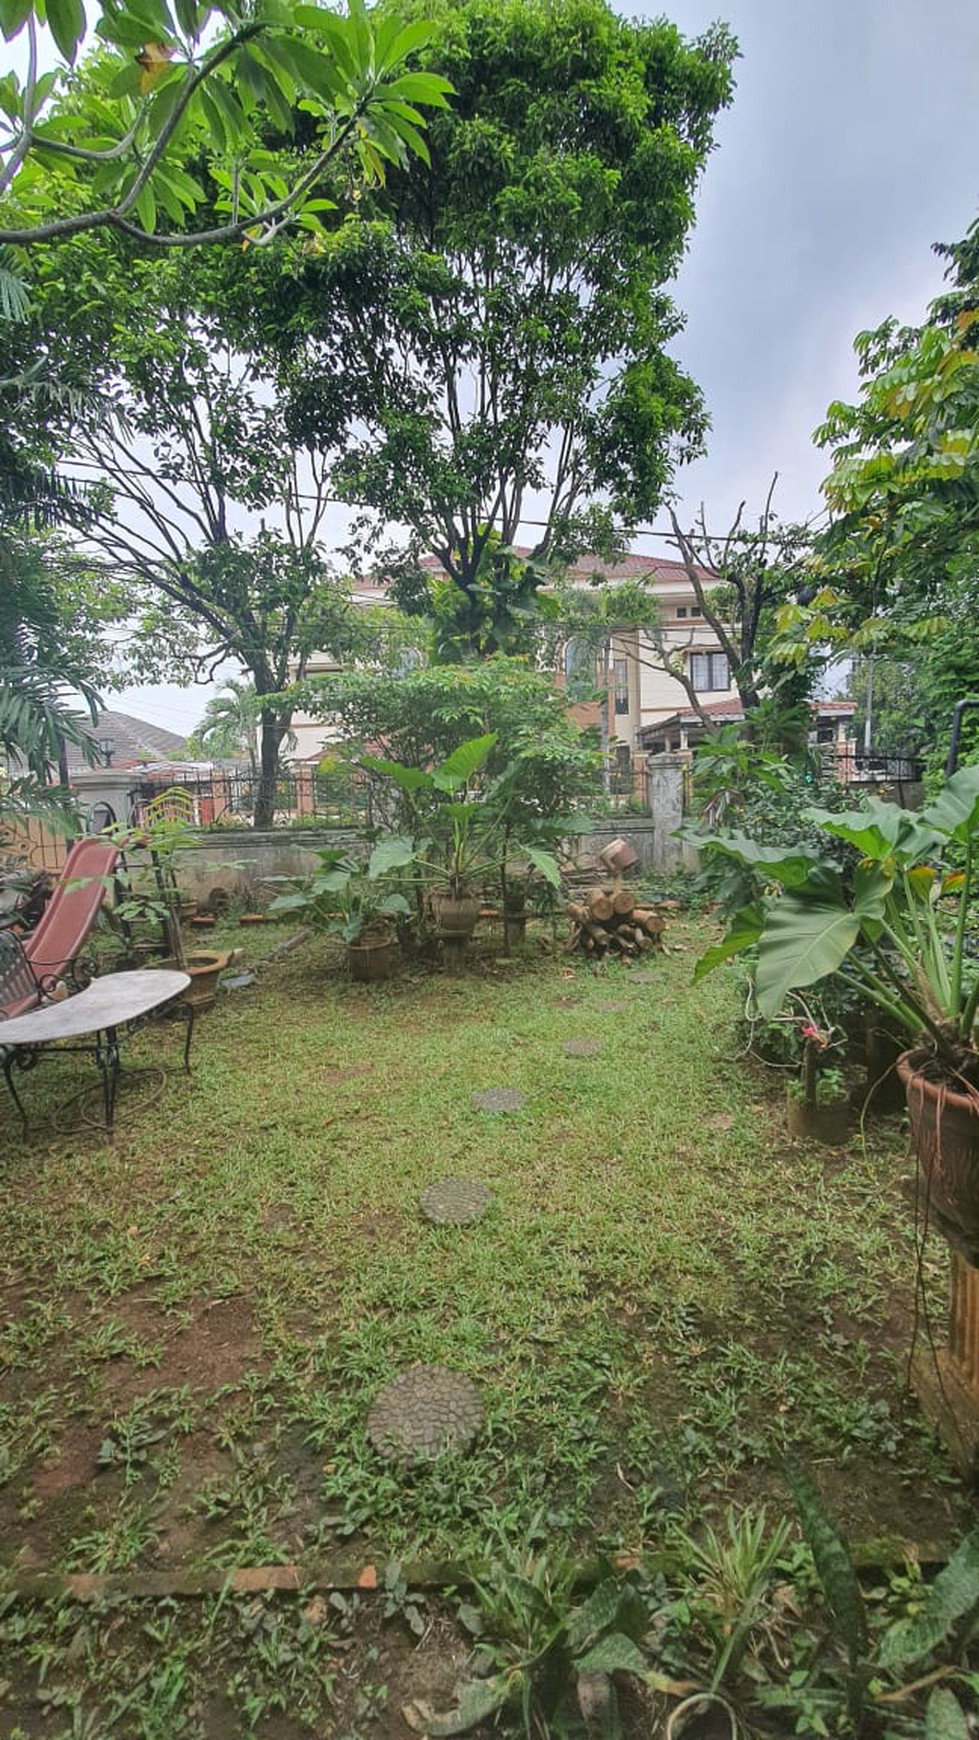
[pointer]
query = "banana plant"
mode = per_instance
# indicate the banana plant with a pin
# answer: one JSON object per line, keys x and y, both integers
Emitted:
{"x": 897, "y": 931}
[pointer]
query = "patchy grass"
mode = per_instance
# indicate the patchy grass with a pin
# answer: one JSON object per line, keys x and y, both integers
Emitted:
{"x": 666, "y": 1295}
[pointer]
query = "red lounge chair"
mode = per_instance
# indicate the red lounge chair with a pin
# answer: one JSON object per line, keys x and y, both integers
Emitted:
{"x": 19, "y": 990}
{"x": 70, "y": 915}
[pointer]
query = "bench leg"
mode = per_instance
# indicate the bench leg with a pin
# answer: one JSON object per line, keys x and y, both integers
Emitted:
{"x": 8, "y": 1067}
{"x": 107, "y": 1060}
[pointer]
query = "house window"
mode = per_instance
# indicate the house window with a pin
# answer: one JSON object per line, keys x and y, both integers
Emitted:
{"x": 681, "y": 610}
{"x": 710, "y": 671}
{"x": 579, "y": 670}
{"x": 620, "y": 677}
{"x": 695, "y": 610}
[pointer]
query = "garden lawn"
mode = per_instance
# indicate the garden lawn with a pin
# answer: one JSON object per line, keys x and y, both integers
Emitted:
{"x": 665, "y": 1295}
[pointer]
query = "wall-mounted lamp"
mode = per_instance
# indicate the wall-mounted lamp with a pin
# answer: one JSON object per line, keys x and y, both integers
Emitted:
{"x": 107, "y": 747}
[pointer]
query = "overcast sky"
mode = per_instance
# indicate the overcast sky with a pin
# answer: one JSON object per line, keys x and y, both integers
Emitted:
{"x": 851, "y": 147}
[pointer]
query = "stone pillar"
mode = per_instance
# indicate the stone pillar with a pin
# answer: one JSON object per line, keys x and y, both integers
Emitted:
{"x": 665, "y": 779}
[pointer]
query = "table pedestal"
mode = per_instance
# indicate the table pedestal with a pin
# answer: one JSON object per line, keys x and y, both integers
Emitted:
{"x": 946, "y": 1382}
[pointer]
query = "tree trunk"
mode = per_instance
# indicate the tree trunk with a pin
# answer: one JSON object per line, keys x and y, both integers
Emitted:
{"x": 272, "y": 734}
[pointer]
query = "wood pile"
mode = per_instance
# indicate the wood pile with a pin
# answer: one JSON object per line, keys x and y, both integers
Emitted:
{"x": 610, "y": 917}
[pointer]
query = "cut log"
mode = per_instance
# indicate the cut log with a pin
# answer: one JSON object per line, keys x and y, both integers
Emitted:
{"x": 600, "y": 904}
{"x": 577, "y": 912}
{"x": 623, "y": 902}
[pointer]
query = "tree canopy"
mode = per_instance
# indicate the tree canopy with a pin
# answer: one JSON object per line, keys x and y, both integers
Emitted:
{"x": 489, "y": 332}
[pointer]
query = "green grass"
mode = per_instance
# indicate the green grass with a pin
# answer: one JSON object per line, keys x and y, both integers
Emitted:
{"x": 665, "y": 1296}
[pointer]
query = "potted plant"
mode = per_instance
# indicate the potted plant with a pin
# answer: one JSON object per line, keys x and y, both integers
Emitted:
{"x": 818, "y": 1105}
{"x": 355, "y": 902}
{"x": 461, "y": 837}
{"x": 898, "y": 930}
{"x": 152, "y": 892}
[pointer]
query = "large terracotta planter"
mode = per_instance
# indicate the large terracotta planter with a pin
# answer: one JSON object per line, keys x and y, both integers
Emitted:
{"x": 945, "y": 1131}
{"x": 204, "y": 971}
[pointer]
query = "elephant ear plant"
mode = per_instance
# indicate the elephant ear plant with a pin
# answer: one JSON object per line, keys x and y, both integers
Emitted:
{"x": 350, "y": 900}
{"x": 897, "y": 930}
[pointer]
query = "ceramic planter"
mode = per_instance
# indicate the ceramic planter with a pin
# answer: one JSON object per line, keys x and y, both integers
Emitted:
{"x": 455, "y": 917}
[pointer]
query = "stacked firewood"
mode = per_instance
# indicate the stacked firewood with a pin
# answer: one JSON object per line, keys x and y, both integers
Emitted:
{"x": 611, "y": 917}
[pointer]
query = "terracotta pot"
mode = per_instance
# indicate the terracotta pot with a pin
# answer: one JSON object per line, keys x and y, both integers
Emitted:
{"x": 371, "y": 959}
{"x": 827, "y": 1124}
{"x": 455, "y": 917}
{"x": 945, "y": 1132}
{"x": 204, "y": 971}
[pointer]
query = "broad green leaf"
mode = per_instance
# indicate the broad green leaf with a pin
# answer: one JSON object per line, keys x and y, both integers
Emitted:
{"x": 878, "y": 831}
{"x": 66, "y": 21}
{"x": 744, "y": 931}
{"x": 952, "y": 1598}
{"x": 791, "y": 868}
{"x": 406, "y": 778}
{"x": 596, "y": 1614}
{"x": 955, "y": 811}
{"x": 10, "y": 98}
{"x": 872, "y": 883}
{"x": 945, "y": 1718}
{"x": 393, "y": 853}
{"x": 834, "y": 1567}
{"x": 460, "y": 766}
{"x": 544, "y": 863}
{"x": 803, "y": 940}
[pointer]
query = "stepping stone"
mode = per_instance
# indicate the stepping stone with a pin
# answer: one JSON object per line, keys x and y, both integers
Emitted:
{"x": 423, "y": 1412}
{"x": 582, "y": 1047}
{"x": 455, "y": 1202}
{"x": 238, "y": 982}
{"x": 499, "y": 1100}
{"x": 613, "y": 1008}
{"x": 644, "y": 979}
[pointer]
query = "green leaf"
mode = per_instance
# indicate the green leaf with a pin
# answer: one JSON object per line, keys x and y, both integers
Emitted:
{"x": 878, "y": 831}
{"x": 66, "y": 20}
{"x": 460, "y": 766}
{"x": 613, "y": 1654}
{"x": 945, "y": 1718}
{"x": 13, "y": 16}
{"x": 393, "y": 853}
{"x": 745, "y": 929}
{"x": 803, "y": 940}
{"x": 834, "y": 1566}
{"x": 951, "y": 1599}
{"x": 406, "y": 778}
{"x": 596, "y": 1614}
{"x": 790, "y": 868}
{"x": 955, "y": 811}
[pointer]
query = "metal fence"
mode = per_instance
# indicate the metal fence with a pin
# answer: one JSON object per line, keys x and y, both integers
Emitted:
{"x": 853, "y": 766}
{"x": 226, "y": 797}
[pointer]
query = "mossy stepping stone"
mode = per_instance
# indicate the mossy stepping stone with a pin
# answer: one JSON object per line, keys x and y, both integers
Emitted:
{"x": 455, "y": 1202}
{"x": 582, "y": 1047}
{"x": 499, "y": 1100}
{"x": 423, "y": 1412}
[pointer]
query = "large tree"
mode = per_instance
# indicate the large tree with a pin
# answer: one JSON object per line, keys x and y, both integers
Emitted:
{"x": 486, "y": 338}
{"x": 205, "y": 511}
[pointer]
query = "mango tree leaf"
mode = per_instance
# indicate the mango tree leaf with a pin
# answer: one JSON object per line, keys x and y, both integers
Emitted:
{"x": 803, "y": 940}
{"x": 953, "y": 1597}
{"x": 945, "y": 1718}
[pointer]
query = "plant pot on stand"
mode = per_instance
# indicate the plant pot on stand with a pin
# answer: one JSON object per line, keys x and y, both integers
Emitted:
{"x": 371, "y": 958}
{"x": 945, "y": 1138}
{"x": 456, "y": 917}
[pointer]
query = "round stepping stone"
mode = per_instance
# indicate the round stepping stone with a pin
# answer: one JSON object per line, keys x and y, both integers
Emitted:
{"x": 499, "y": 1100}
{"x": 582, "y": 1047}
{"x": 455, "y": 1202}
{"x": 423, "y": 1412}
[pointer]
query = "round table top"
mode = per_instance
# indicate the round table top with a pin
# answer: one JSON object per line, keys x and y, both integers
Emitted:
{"x": 107, "y": 1002}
